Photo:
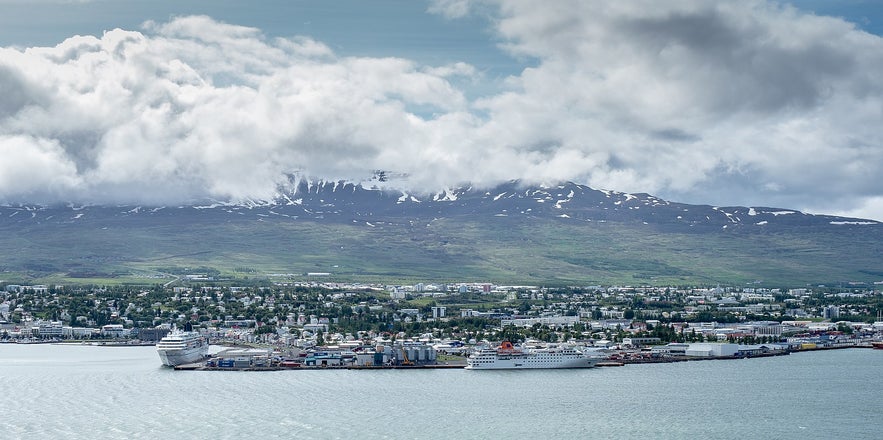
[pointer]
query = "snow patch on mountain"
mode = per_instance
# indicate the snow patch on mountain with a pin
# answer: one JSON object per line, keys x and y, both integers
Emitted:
{"x": 447, "y": 195}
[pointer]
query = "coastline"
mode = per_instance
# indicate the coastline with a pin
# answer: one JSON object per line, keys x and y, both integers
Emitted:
{"x": 207, "y": 366}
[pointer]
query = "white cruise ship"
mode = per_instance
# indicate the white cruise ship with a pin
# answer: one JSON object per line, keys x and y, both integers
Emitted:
{"x": 182, "y": 348}
{"x": 507, "y": 356}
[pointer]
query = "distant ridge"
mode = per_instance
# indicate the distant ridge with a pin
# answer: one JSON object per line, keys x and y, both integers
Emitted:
{"x": 342, "y": 200}
{"x": 297, "y": 230}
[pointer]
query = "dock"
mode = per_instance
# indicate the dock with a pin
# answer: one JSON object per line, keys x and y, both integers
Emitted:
{"x": 203, "y": 367}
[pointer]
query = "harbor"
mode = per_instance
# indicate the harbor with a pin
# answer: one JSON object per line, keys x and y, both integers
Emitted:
{"x": 396, "y": 358}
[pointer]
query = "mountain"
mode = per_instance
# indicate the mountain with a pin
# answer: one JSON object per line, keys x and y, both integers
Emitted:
{"x": 560, "y": 234}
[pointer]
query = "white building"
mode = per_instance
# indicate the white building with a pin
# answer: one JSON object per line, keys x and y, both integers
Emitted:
{"x": 114, "y": 331}
{"x": 50, "y": 329}
{"x": 551, "y": 321}
{"x": 77, "y": 332}
{"x": 315, "y": 328}
{"x": 716, "y": 350}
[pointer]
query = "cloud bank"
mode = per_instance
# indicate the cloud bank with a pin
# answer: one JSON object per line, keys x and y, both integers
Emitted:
{"x": 723, "y": 103}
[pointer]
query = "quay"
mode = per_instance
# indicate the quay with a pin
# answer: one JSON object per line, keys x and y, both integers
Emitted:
{"x": 203, "y": 367}
{"x": 257, "y": 359}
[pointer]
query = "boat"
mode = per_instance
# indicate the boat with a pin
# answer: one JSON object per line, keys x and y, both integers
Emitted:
{"x": 509, "y": 357}
{"x": 878, "y": 345}
{"x": 182, "y": 347}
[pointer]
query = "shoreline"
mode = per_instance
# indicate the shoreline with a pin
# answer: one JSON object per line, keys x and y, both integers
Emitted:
{"x": 201, "y": 366}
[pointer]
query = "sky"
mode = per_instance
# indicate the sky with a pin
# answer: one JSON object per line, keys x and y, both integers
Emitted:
{"x": 750, "y": 103}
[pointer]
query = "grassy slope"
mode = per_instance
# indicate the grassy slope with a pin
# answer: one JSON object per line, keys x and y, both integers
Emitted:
{"x": 551, "y": 251}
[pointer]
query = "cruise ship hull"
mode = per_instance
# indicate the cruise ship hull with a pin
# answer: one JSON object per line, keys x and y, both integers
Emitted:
{"x": 180, "y": 348}
{"x": 527, "y": 363}
{"x": 508, "y": 357}
{"x": 172, "y": 358}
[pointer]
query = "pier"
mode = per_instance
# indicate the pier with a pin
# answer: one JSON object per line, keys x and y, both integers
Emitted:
{"x": 203, "y": 367}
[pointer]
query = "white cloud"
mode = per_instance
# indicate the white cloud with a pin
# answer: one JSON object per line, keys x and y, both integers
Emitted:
{"x": 450, "y": 8}
{"x": 678, "y": 97}
{"x": 23, "y": 158}
{"x": 871, "y": 207}
{"x": 715, "y": 102}
{"x": 195, "y": 108}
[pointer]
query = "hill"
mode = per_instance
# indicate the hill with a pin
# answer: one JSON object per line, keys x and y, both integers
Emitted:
{"x": 552, "y": 235}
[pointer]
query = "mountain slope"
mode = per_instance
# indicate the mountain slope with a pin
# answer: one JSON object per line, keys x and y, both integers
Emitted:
{"x": 562, "y": 234}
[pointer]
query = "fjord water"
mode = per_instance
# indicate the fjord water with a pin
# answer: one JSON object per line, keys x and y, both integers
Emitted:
{"x": 86, "y": 392}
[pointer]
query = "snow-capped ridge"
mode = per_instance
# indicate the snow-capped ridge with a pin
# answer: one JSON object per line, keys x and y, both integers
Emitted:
{"x": 377, "y": 201}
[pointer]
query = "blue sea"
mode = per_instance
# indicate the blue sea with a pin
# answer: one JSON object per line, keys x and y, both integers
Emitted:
{"x": 87, "y": 392}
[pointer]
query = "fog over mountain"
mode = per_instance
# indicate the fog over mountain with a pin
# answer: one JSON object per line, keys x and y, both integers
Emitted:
{"x": 727, "y": 103}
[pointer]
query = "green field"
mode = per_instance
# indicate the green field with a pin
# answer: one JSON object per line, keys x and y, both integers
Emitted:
{"x": 502, "y": 250}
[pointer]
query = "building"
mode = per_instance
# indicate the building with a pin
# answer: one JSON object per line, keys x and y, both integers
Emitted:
{"x": 831, "y": 312}
{"x": 114, "y": 331}
{"x": 244, "y": 358}
{"x": 673, "y": 348}
{"x": 52, "y": 329}
{"x": 152, "y": 334}
{"x": 551, "y": 321}
{"x": 315, "y": 328}
{"x": 755, "y": 350}
{"x": 767, "y": 328}
{"x": 438, "y": 312}
{"x": 323, "y": 360}
{"x": 637, "y": 342}
{"x": 712, "y": 350}
{"x": 78, "y": 332}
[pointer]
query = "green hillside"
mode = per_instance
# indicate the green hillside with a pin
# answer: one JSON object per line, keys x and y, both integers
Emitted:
{"x": 548, "y": 251}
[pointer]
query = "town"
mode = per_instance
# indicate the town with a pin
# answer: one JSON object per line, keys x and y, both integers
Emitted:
{"x": 321, "y": 323}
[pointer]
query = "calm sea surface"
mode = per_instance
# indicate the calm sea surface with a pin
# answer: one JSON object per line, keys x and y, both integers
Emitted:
{"x": 83, "y": 392}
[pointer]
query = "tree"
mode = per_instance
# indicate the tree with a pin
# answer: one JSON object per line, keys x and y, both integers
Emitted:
{"x": 265, "y": 329}
{"x": 510, "y": 333}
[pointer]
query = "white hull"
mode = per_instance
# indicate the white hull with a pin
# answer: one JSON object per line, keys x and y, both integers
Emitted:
{"x": 172, "y": 358}
{"x": 512, "y": 364}
{"x": 516, "y": 359}
{"x": 180, "y": 348}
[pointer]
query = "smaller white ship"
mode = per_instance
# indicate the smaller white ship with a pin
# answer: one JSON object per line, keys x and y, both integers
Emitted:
{"x": 507, "y": 356}
{"x": 180, "y": 347}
